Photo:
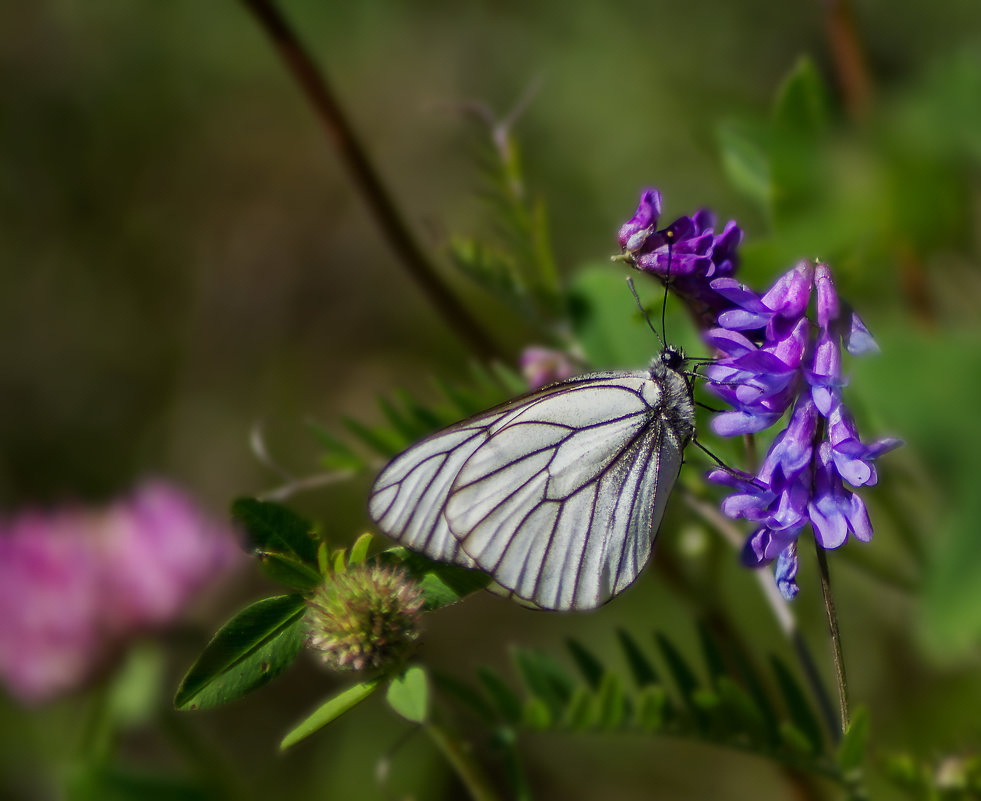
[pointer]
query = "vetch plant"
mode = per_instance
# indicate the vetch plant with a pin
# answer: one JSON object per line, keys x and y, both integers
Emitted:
{"x": 772, "y": 356}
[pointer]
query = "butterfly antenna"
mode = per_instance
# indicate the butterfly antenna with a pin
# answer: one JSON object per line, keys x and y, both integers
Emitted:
{"x": 667, "y": 279}
{"x": 643, "y": 311}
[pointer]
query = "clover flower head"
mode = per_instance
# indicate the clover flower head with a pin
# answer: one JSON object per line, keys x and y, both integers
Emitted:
{"x": 77, "y": 584}
{"x": 366, "y": 618}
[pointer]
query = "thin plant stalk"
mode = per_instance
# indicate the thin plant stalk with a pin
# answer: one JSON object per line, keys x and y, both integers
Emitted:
{"x": 366, "y": 178}
{"x": 466, "y": 767}
{"x": 778, "y": 606}
{"x": 837, "y": 654}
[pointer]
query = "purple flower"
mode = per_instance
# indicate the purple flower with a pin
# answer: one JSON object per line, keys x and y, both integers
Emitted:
{"x": 773, "y": 356}
{"x": 687, "y": 253}
{"x": 77, "y": 584}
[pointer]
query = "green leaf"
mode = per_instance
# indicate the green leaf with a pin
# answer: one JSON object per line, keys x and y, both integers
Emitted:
{"x": 359, "y": 551}
{"x": 611, "y": 704}
{"x": 653, "y": 708}
{"x": 714, "y": 659}
{"x": 798, "y": 172}
{"x": 801, "y": 714}
{"x": 641, "y": 669}
{"x": 603, "y": 321}
{"x": 466, "y": 402}
{"x": 293, "y": 574}
{"x": 425, "y": 418}
{"x": 707, "y": 702}
{"x": 851, "y": 750}
{"x": 507, "y": 702}
{"x": 337, "y": 454}
{"x": 590, "y": 667}
{"x": 441, "y": 584}
{"x": 330, "y": 710}
{"x": 536, "y": 714}
{"x": 256, "y": 645}
{"x": 272, "y": 528}
{"x": 742, "y": 712}
{"x": 795, "y": 740}
{"x": 802, "y": 101}
{"x": 463, "y": 692}
{"x": 684, "y": 677}
{"x": 408, "y": 695}
{"x": 102, "y": 782}
{"x": 383, "y": 441}
{"x": 505, "y": 743}
{"x": 544, "y": 678}
{"x": 743, "y": 151}
{"x": 580, "y": 712}
{"x": 407, "y": 427}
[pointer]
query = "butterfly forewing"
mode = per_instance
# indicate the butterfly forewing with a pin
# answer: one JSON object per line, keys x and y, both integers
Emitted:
{"x": 558, "y": 495}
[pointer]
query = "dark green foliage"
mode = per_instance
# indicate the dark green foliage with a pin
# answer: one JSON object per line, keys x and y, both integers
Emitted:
{"x": 802, "y": 717}
{"x": 406, "y": 419}
{"x": 727, "y": 710}
{"x": 271, "y": 528}
{"x": 251, "y": 649}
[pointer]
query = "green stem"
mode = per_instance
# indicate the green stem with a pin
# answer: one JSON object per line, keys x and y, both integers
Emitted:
{"x": 780, "y": 608}
{"x": 462, "y": 761}
{"x": 366, "y": 178}
{"x": 839, "y": 659}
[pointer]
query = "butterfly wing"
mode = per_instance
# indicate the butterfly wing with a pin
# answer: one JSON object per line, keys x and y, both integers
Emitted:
{"x": 409, "y": 496}
{"x": 561, "y": 503}
{"x": 557, "y": 494}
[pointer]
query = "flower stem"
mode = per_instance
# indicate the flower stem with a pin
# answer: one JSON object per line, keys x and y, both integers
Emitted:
{"x": 466, "y": 767}
{"x": 780, "y": 608}
{"x": 839, "y": 660}
{"x": 366, "y": 178}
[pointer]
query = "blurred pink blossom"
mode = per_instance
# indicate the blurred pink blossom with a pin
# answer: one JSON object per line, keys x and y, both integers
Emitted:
{"x": 76, "y": 584}
{"x": 541, "y": 366}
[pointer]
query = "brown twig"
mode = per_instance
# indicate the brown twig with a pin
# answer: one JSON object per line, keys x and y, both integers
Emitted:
{"x": 848, "y": 57}
{"x": 366, "y": 179}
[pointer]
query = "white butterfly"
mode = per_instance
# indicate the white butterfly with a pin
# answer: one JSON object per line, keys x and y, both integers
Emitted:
{"x": 558, "y": 494}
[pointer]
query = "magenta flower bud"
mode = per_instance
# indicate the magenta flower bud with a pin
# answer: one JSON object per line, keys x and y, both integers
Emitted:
{"x": 828, "y": 307}
{"x": 792, "y": 292}
{"x": 633, "y": 232}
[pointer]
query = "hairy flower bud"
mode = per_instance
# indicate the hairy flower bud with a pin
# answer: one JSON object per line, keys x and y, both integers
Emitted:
{"x": 367, "y": 618}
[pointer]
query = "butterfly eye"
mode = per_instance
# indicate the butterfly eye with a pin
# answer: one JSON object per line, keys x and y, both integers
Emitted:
{"x": 672, "y": 357}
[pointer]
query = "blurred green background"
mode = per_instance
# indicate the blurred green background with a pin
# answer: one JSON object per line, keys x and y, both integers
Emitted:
{"x": 183, "y": 258}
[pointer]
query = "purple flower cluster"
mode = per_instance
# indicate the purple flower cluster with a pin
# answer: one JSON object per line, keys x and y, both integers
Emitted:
{"x": 76, "y": 584}
{"x": 773, "y": 358}
{"x": 687, "y": 253}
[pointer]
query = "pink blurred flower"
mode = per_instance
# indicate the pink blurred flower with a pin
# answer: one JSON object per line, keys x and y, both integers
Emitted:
{"x": 541, "y": 366}
{"x": 77, "y": 584}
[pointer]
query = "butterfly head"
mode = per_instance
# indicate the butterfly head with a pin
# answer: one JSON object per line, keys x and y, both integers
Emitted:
{"x": 672, "y": 357}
